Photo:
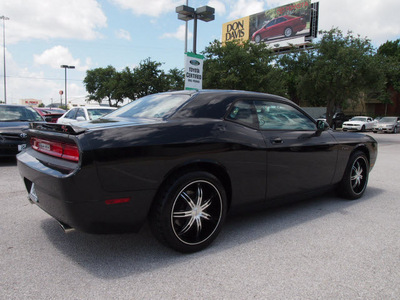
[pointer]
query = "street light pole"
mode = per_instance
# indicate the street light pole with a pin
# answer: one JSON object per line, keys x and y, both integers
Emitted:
{"x": 204, "y": 13}
{"x": 186, "y": 30}
{"x": 65, "y": 68}
{"x": 4, "y": 18}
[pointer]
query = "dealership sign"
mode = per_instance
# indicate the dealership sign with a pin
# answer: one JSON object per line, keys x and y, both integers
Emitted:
{"x": 284, "y": 23}
{"x": 193, "y": 71}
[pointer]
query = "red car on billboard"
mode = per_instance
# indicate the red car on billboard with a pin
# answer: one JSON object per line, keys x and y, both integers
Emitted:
{"x": 284, "y": 25}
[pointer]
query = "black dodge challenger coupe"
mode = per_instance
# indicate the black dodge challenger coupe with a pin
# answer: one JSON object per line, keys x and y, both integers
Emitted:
{"x": 183, "y": 159}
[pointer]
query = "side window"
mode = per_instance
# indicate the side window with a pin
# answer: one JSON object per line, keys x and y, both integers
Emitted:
{"x": 71, "y": 114}
{"x": 280, "y": 116}
{"x": 243, "y": 112}
{"x": 81, "y": 113}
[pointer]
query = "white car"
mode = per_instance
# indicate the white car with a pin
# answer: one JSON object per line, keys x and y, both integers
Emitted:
{"x": 359, "y": 123}
{"x": 78, "y": 114}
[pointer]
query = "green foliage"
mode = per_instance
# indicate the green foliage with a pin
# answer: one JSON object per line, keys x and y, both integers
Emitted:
{"x": 336, "y": 73}
{"x": 41, "y": 105}
{"x": 149, "y": 79}
{"x": 145, "y": 79}
{"x": 104, "y": 83}
{"x": 389, "y": 58}
{"x": 176, "y": 79}
{"x": 246, "y": 66}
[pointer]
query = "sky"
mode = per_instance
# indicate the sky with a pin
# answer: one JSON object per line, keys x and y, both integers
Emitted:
{"x": 41, "y": 35}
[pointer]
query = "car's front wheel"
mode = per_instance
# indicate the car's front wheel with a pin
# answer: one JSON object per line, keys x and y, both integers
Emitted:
{"x": 355, "y": 178}
{"x": 189, "y": 212}
{"x": 257, "y": 38}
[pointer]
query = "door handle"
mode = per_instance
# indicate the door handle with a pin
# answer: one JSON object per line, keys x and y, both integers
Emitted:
{"x": 277, "y": 140}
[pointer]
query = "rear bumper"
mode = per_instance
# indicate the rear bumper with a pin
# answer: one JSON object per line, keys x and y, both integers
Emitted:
{"x": 77, "y": 199}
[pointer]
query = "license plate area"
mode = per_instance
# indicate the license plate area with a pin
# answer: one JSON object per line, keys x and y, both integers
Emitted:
{"x": 21, "y": 147}
{"x": 32, "y": 194}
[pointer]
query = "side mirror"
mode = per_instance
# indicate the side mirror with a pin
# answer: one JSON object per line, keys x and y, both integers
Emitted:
{"x": 322, "y": 125}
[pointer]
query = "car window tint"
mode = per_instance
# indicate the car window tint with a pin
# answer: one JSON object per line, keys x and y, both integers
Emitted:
{"x": 80, "y": 113}
{"x": 280, "y": 116}
{"x": 243, "y": 112}
{"x": 71, "y": 114}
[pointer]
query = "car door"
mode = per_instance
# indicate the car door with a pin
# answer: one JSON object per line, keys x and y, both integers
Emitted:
{"x": 299, "y": 159}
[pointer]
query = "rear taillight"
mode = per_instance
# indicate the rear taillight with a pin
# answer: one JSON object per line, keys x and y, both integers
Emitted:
{"x": 62, "y": 150}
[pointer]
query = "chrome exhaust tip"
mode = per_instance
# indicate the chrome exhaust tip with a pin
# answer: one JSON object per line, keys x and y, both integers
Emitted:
{"x": 65, "y": 227}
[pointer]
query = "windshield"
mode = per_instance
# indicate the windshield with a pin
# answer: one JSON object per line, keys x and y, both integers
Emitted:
{"x": 388, "y": 120}
{"x": 19, "y": 114}
{"x": 359, "y": 119}
{"x": 152, "y": 106}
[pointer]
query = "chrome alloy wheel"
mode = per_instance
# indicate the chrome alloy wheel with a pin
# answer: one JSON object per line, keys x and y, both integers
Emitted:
{"x": 196, "y": 212}
{"x": 358, "y": 176}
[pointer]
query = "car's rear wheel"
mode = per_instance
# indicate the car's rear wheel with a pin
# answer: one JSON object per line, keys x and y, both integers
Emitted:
{"x": 355, "y": 178}
{"x": 189, "y": 212}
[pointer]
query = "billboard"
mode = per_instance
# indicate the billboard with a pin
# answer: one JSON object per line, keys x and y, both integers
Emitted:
{"x": 283, "y": 23}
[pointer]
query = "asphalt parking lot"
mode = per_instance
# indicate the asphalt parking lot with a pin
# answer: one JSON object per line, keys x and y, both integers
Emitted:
{"x": 321, "y": 248}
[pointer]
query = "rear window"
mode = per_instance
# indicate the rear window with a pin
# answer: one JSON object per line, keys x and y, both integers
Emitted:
{"x": 152, "y": 106}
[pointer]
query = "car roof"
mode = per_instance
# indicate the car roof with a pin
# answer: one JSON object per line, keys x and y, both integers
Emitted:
{"x": 215, "y": 103}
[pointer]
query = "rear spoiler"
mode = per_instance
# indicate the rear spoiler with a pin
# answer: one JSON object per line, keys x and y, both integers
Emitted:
{"x": 53, "y": 127}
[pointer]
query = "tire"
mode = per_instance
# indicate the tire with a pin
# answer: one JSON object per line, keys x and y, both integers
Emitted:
{"x": 395, "y": 130}
{"x": 363, "y": 128}
{"x": 190, "y": 212}
{"x": 375, "y": 131}
{"x": 333, "y": 126}
{"x": 257, "y": 38}
{"x": 355, "y": 178}
{"x": 288, "y": 32}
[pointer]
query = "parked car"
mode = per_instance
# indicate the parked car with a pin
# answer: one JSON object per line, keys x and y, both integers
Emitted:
{"x": 184, "y": 159}
{"x": 78, "y": 114}
{"x": 337, "y": 120}
{"x": 359, "y": 123}
{"x": 50, "y": 114}
{"x": 387, "y": 124}
{"x": 284, "y": 25}
{"x": 14, "y": 122}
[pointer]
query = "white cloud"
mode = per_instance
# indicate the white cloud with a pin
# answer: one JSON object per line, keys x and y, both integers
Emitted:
{"x": 123, "y": 34}
{"x": 219, "y": 6}
{"x": 243, "y": 8}
{"x": 144, "y": 7}
{"x": 179, "y": 34}
{"x": 38, "y": 19}
{"x": 57, "y": 56}
{"x": 377, "y": 20}
{"x": 25, "y": 84}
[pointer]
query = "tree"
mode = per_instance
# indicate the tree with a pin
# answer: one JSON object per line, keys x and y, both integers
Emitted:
{"x": 176, "y": 79}
{"x": 389, "y": 57}
{"x": 245, "y": 66}
{"x": 104, "y": 83}
{"x": 341, "y": 69}
{"x": 149, "y": 79}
